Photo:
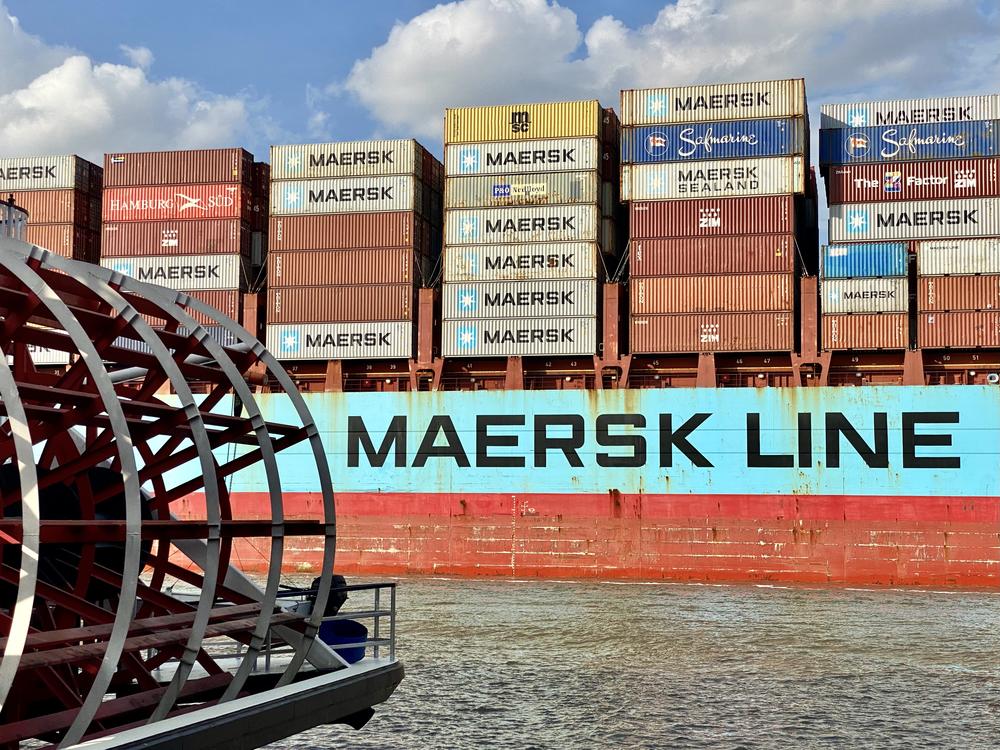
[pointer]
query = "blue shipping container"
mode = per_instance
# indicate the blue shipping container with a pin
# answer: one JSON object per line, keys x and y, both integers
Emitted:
{"x": 736, "y": 139}
{"x": 864, "y": 260}
{"x": 941, "y": 140}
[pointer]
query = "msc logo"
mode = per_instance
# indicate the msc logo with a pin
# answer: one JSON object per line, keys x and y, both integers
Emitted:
{"x": 519, "y": 122}
{"x": 656, "y": 105}
{"x": 892, "y": 182}
{"x": 656, "y": 144}
{"x": 467, "y": 300}
{"x": 857, "y": 118}
{"x": 289, "y": 341}
{"x": 469, "y": 229}
{"x": 857, "y": 144}
{"x": 465, "y": 337}
{"x": 468, "y": 160}
{"x": 857, "y": 221}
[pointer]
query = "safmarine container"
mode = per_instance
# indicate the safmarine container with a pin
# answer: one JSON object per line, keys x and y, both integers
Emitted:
{"x": 757, "y": 254}
{"x": 530, "y": 262}
{"x": 739, "y": 139}
{"x": 178, "y": 237}
{"x": 158, "y": 203}
{"x": 712, "y": 332}
{"x": 864, "y": 259}
{"x": 865, "y": 331}
{"x": 190, "y": 272}
{"x": 715, "y": 102}
{"x": 45, "y": 173}
{"x": 574, "y": 223}
{"x": 323, "y": 267}
{"x": 517, "y": 122}
{"x": 864, "y": 295}
{"x": 723, "y": 216}
{"x": 916, "y": 180}
{"x": 958, "y": 330}
{"x": 201, "y": 166}
{"x": 347, "y": 195}
{"x": 951, "y": 293}
{"x": 523, "y": 190}
{"x": 717, "y": 293}
{"x": 890, "y": 143}
{"x": 60, "y": 207}
{"x": 368, "y": 340}
{"x": 349, "y": 159}
{"x": 517, "y": 337}
{"x": 524, "y": 299}
{"x": 521, "y": 157}
{"x": 915, "y": 220}
{"x": 347, "y": 231}
{"x": 340, "y": 304}
{"x": 729, "y": 178}
{"x": 940, "y": 257}
{"x": 910, "y": 111}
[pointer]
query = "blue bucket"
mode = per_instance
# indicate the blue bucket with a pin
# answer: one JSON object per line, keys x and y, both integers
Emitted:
{"x": 345, "y": 632}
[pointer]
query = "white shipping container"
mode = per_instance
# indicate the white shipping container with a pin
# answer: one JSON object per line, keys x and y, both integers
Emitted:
{"x": 538, "y": 189}
{"x": 42, "y": 173}
{"x": 346, "y": 159}
{"x": 519, "y": 157}
{"x": 910, "y": 111}
{"x": 519, "y": 299}
{"x": 519, "y": 337}
{"x": 947, "y": 257}
{"x": 490, "y": 226}
{"x": 187, "y": 272}
{"x": 864, "y": 295}
{"x": 915, "y": 220}
{"x": 728, "y": 178}
{"x": 714, "y": 102}
{"x": 43, "y": 356}
{"x": 346, "y": 195}
{"x": 341, "y": 340}
{"x": 556, "y": 260}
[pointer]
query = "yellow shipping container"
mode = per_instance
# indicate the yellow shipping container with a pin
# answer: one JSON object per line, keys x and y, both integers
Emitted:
{"x": 513, "y": 122}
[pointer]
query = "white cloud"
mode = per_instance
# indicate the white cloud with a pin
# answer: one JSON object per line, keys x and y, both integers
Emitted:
{"x": 141, "y": 57}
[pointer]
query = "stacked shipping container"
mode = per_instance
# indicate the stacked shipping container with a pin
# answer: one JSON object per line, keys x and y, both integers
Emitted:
{"x": 529, "y": 220}
{"x": 355, "y": 229}
{"x": 713, "y": 175}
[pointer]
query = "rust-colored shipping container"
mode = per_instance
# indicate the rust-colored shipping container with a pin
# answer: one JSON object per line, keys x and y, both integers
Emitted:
{"x": 915, "y": 180}
{"x": 762, "y": 253}
{"x": 712, "y": 332}
{"x": 958, "y": 330}
{"x": 340, "y": 304}
{"x": 772, "y": 214}
{"x": 227, "y": 301}
{"x": 346, "y": 231}
{"x": 201, "y": 166}
{"x": 329, "y": 267}
{"x": 67, "y": 240}
{"x": 179, "y": 237}
{"x": 941, "y": 293}
{"x": 60, "y": 207}
{"x": 185, "y": 202}
{"x": 865, "y": 331}
{"x": 718, "y": 293}
{"x": 261, "y": 196}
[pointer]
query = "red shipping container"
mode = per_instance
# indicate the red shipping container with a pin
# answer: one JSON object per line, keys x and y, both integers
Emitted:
{"x": 227, "y": 301}
{"x": 261, "y": 196}
{"x": 194, "y": 237}
{"x": 955, "y": 330}
{"x": 203, "y": 166}
{"x": 865, "y": 331}
{"x": 340, "y": 304}
{"x": 915, "y": 180}
{"x": 67, "y": 240}
{"x": 762, "y": 253}
{"x": 347, "y": 231}
{"x": 941, "y": 293}
{"x": 60, "y": 207}
{"x": 177, "y": 202}
{"x": 695, "y": 294}
{"x": 773, "y": 214}
{"x": 331, "y": 267}
{"x": 712, "y": 332}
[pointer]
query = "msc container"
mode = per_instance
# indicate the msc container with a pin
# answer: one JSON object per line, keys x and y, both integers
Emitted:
{"x": 67, "y": 240}
{"x": 203, "y": 166}
{"x": 537, "y": 261}
{"x": 915, "y": 220}
{"x": 865, "y": 331}
{"x": 942, "y": 257}
{"x": 864, "y": 259}
{"x": 953, "y": 293}
{"x": 698, "y": 294}
{"x": 349, "y": 159}
{"x": 519, "y": 299}
{"x": 329, "y": 267}
{"x": 577, "y": 223}
{"x": 346, "y": 231}
{"x": 709, "y": 217}
{"x": 60, "y": 207}
{"x": 958, "y": 330}
{"x": 191, "y": 272}
{"x": 762, "y": 253}
{"x": 713, "y": 179}
{"x": 910, "y": 111}
{"x": 519, "y": 337}
{"x": 46, "y": 173}
{"x": 946, "y": 140}
{"x": 341, "y": 340}
{"x": 187, "y": 237}
{"x": 340, "y": 304}
{"x": 719, "y": 101}
{"x": 563, "y": 154}
{"x": 520, "y": 122}
{"x": 712, "y": 332}
{"x": 159, "y": 203}
{"x": 523, "y": 190}
{"x": 864, "y": 295}
{"x": 739, "y": 139}
{"x": 916, "y": 180}
{"x": 347, "y": 195}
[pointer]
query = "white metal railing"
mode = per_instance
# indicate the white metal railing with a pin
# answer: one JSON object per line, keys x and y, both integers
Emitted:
{"x": 12, "y": 220}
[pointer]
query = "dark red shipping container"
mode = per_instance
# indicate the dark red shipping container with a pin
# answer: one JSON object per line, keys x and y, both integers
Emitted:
{"x": 915, "y": 180}
{"x": 762, "y": 253}
{"x": 865, "y": 331}
{"x": 183, "y": 202}
{"x": 204, "y": 166}
{"x": 340, "y": 304}
{"x": 773, "y": 214}
{"x": 712, "y": 332}
{"x": 941, "y": 293}
{"x": 718, "y": 293}
{"x": 330, "y": 267}
{"x": 198, "y": 237}
{"x": 67, "y": 240}
{"x": 60, "y": 207}
{"x": 348, "y": 231}
{"x": 261, "y": 196}
{"x": 958, "y": 330}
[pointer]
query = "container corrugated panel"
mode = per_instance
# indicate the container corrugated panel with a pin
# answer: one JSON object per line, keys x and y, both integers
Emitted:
{"x": 219, "y": 334}
{"x": 712, "y": 217}
{"x": 341, "y": 340}
{"x": 712, "y": 332}
{"x": 713, "y": 179}
{"x": 159, "y": 203}
{"x": 522, "y": 190}
{"x": 519, "y": 122}
{"x": 557, "y": 260}
{"x": 44, "y": 173}
{"x": 954, "y": 293}
{"x": 519, "y": 299}
{"x": 519, "y": 337}
{"x": 194, "y": 237}
{"x": 340, "y": 304}
{"x": 347, "y": 195}
{"x": 347, "y": 159}
{"x": 863, "y": 295}
{"x": 563, "y": 154}
{"x": 916, "y": 180}
{"x": 764, "y": 253}
{"x": 59, "y": 207}
{"x": 714, "y": 102}
{"x": 865, "y": 331}
{"x": 67, "y": 240}
{"x": 864, "y": 259}
{"x": 228, "y": 302}
{"x": 717, "y": 293}
{"x": 328, "y": 267}
{"x": 43, "y": 356}
{"x": 910, "y": 111}
{"x": 201, "y": 272}
{"x": 915, "y": 220}
{"x": 490, "y": 226}
{"x": 349, "y": 231}
{"x": 888, "y": 143}
{"x": 739, "y": 139}
{"x": 940, "y": 257}
{"x": 203, "y": 166}
{"x": 958, "y": 330}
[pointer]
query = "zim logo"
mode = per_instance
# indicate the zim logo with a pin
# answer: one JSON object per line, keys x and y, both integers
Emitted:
{"x": 857, "y": 144}
{"x": 519, "y": 122}
{"x": 709, "y": 218}
{"x": 656, "y": 144}
{"x": 709, "y": 333}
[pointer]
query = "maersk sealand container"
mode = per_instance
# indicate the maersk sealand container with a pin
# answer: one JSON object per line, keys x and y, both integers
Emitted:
{"x": 944, "y": 140}
{"x": 737, "y": 139}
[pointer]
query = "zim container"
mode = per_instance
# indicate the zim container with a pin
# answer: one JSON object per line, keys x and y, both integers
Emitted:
{"x": 351, "y": 159}
{"x": 160, "y": 203}
{"x": 737, "y": 139}
{"x": 712, "y": 332}
{"x": 203, "y": 166}
{"x": 864, "y": 295}
{"x": 954, "y": 293}
{"x": 862, "y": 331}
{"x": 712, "y": 293}
{"x": 892, "y": 143}
{"x": 332, "y": 267}
{"x": 519, "y": 299}
{"x": 713, "y": 179}
{"x": 327, "y": 341}
{"x": 535, "y": 261}
{"x": 941, "y": 257}
{"x": 864, "y": 259}
{"x": 750, "y": 254}
{"x": 178, "y": 237}
{"x": 915, "y": 220}
{"x": 523, "y": 190}
{"x": 910, "y": 111}
{"x": 519, "y": 337}
{"x": 517, "y": 122}
{"x": 714, "y": 102}
{"x": 520, "y": 157}
{"x": 48, "y": 173}
{"x": 190, "y": 272}
{"x": 712, "y": 217}
{"x": 340, "y": 304}
{"x": 916, "y": 180}
{"x": 573, "y": 223}
{"x": 349, "y": 231}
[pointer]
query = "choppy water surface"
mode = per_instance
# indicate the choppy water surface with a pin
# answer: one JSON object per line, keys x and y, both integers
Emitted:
{"x": 493, "y": 663}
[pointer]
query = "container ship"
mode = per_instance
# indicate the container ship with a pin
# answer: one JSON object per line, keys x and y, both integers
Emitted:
{"x": 609, "y": 344}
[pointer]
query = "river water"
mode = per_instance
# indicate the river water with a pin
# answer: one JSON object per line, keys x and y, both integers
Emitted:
{"x": 543, "y": 664}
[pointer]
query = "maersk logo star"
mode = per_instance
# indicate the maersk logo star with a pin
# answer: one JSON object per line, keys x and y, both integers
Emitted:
{"x": 292, "y": 197}
{"x": 468, "y": 160}
{"x": 657, "y": 184}
{"x": 470, "y": 227}
{"x": 124, "y": 267}
{"x": 857, "y": 118}
{"x": 857, "y": 221}
{"x": 656, "y": 104}
{"x": 466, "y": 300}
{"x": 465, "y": 338}
{"x": 294, "y": 162}
{"x": 290, "y": 341}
